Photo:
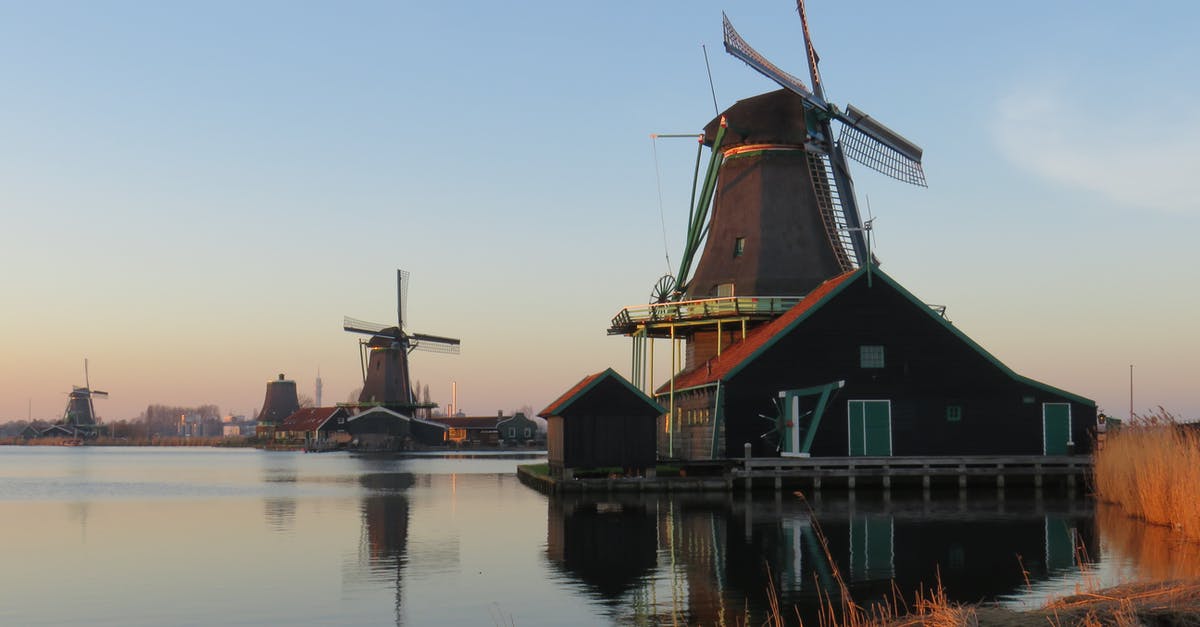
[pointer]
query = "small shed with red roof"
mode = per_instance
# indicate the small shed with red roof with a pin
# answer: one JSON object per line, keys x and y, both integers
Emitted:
{"x": 602, "y": 421}
{"x": 860, "y": 366}
{"x": 314, "y": 426}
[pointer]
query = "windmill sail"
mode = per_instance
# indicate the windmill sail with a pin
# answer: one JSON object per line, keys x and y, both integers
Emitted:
{"x": 736, "y": 46}
{"x": 435, "y": 343}
{"x": 880, "y": 148}
{"x": 862, "y": 138}
{"x": 355, "y": 325}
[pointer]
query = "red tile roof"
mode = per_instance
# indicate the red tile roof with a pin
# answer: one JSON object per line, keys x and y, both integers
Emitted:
{"x": 716, "y": 368}
{"x": 308, "y": 418}
{"x": 553, "y": 408}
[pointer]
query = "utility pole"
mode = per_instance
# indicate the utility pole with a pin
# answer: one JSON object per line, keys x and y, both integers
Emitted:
{"x": 1131, "y": 393}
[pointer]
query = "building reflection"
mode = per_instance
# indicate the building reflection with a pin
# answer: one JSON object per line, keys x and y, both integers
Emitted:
{"x": 610, "y": 546}
{"x": 701, "y": 559}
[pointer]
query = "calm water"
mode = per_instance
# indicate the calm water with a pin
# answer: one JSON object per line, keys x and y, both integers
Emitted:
{"x": 125, "y": 536}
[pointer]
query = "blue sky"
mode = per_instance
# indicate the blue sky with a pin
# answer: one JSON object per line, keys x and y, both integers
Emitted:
{"x": 194, "y": 194}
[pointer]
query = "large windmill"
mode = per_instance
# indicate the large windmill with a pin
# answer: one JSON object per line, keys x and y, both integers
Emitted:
{"x": 80, "y": 415}
{"x": 773, "y": 216}
{"x": 386, "y": 376}
{"x": 784, "y": 213}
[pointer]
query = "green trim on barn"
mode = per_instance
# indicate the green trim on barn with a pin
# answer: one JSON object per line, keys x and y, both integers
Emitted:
{"x": 606, "y": 374}
{"x": 877, "y": 273}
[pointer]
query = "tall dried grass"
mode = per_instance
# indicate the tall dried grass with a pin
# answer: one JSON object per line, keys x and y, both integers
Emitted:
{"x": 1151, "y": 469}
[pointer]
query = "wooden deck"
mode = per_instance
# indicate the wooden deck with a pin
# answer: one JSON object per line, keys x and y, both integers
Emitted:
{"x": 974, "y": 472}
{"x": 924, "y": 472}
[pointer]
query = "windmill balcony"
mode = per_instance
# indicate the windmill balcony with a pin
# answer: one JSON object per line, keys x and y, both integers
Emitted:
{"x": 635, "y": 317}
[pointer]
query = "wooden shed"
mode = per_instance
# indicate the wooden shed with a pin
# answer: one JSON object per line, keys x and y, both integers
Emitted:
{"x": 860, "y": 366}
{"x": 601, "y": 422}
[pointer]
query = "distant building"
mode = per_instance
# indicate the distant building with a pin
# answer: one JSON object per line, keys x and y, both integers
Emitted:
{"x": 379, "y": 428}
{"x": 518, "y": 429}
{"x": 471, "y": 430}
{"x": 315, "y": 428}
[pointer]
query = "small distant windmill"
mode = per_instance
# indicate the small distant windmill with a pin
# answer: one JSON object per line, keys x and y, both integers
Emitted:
{"x": 80, "y": 416}
{"x": 384, "y": 357}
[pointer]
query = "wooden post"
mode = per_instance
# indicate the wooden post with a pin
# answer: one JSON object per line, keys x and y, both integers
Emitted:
{"x": 748, "y": 481}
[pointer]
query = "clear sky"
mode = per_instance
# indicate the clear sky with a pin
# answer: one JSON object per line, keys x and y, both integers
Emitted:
{"x": 193, "y": 194}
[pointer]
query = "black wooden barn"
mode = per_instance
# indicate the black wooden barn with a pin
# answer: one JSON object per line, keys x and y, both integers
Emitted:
{"x": 862, "y": 367}
{"x": 379, "y": 428}
{"x": 603, "y": 421}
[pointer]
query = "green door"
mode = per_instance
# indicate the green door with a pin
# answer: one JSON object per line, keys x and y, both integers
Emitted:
{"x": 1056, "y": 428}
{"x": 872, "y": 555}
{"x": 870, "y": 428}
{"x": 1060, "y": 544}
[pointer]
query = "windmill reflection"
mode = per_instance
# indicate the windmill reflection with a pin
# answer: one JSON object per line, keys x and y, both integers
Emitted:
{"x": 280, "y": 471}
{"x": 383, "y": 552}
{"x": 710, "y": 559}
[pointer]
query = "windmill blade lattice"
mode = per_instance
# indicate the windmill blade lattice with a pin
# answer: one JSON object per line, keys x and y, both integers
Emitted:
{"x": 879, "y": 148}
{"x": 355, "y": 325}
{"x": 736, "y": 46}
{"x": 434, "y": 343}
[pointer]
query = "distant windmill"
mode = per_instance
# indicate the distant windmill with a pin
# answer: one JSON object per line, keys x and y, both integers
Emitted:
{"x": 386, "y": 376}
{"x": 784, "y": 213}
{"x": 80, "y": 416}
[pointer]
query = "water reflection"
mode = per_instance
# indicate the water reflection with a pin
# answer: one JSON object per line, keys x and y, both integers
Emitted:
{"x": 385, "y": 519}
{"x": 710, "y": 559}
{"x": 610, "y": 546}
{"x": 1138, "y": 551}
{"x": 279, "y": 513}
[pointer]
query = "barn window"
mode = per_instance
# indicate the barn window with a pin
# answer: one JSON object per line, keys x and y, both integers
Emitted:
{"x": 724, "y": 290}
{"x": 870, "y": 356}
{"x": 739, "y": 246}
{"x": 953, "y": 413}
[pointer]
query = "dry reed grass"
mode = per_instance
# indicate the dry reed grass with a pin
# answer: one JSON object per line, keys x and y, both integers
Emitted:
{"x": 1151, "y": 468}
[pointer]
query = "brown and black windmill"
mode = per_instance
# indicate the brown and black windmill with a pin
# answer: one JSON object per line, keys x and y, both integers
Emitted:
{"x": 772, "y": 217}
{"x": 80, "y": 415}
{"x": 784, "y": 215}
{"x": 386, "y": 375}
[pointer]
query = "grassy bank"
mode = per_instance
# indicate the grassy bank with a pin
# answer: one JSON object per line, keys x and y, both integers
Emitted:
{"x": 1151, "y": 469}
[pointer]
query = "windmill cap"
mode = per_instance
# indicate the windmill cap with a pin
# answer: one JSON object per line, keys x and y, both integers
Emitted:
{"x": 776, "y": 117}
